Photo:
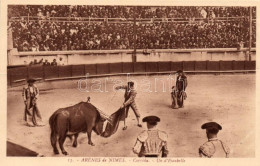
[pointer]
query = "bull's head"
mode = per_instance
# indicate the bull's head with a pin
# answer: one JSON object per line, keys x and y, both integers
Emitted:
{"x": 99, "y": 126}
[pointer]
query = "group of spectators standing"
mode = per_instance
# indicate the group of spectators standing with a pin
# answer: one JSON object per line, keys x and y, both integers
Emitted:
{"x": 45, "y": 62}
{"x": 44, "y": 35}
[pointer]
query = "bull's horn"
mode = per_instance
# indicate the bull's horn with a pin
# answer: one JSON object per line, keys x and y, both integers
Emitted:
{"x": 88, "y": 99}
{"x": 109, "y": 120}
{"x": 105, "y": 116}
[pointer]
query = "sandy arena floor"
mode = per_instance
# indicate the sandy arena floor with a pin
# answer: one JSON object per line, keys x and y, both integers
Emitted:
{"x": 226, "y": 99}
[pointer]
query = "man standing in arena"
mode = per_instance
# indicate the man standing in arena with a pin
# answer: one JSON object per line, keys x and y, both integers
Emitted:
{"x": 213, "y": 147}
{"x": 151, "y": 142}
{"x": 30, "y": 95}
{"x": 181, "y": 77}
{"x": 174, "y": 98}
{"x": 130, "y": 94}
{"x": 178, "y": 93}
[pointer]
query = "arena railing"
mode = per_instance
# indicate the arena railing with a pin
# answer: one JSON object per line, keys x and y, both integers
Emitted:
{"x": 18, "y": 76}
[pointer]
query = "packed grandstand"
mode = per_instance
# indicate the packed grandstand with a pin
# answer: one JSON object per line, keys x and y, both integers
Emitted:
{"x": 61, "y": 28}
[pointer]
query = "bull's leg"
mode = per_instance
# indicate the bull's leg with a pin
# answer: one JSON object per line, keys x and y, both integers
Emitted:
{"x": 89, "y": 137}
{"x": 53, "y": 142}
{"x": 61, "y": 141}
{"x": 75, "y": 143}
{"x": 70, "y": 137}
{"x": 62, "y": 125}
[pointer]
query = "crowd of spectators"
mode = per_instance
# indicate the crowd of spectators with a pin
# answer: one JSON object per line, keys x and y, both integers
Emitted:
{"x": 46, "y": 35}
{"x": 54, "y": 36}
{"x": 199, "y": 35}
{"x": 45, "y": 62}
{"x": 128, "y": 11}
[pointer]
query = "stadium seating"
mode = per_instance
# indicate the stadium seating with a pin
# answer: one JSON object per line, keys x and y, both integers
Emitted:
{"x": 55, "y": 28}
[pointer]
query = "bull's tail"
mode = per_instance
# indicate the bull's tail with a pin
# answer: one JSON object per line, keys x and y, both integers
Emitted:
{"x": 52, "y": 120}
{"x": 53, "y": 137}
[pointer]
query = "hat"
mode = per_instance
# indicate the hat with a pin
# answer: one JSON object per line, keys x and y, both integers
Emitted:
{"x": 151, "y": 119}
{"x": 179, "y": 71}
{"x": 31, "y": 80}
{"x": 211, "y": 125}
{"x": 130, "y": 83}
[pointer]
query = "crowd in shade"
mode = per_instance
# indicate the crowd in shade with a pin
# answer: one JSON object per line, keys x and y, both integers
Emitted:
{"x": 44, "y": 35}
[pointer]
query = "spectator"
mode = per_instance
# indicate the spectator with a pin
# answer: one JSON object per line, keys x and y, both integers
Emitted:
{"x": 46, "y": 63}
{"x": 40, "y": 62}
{"x": 31, "y": 63}
{"x": 35, "y": 62}
{"x": 54, "y": 63}
{"x": 61, "y": 62}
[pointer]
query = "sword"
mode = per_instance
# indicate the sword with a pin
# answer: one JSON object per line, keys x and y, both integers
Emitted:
{"x": 111, "y": 98}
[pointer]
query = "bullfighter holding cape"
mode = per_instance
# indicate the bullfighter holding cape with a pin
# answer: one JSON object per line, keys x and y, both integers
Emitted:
{"x": 122, "y": 113}
{"x": 30, "y": 95}
{"x": 130, "y": 94}
{"x": 178, "y": 93}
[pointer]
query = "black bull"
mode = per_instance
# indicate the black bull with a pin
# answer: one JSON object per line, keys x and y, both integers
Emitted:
{"x": 82, "y": 117}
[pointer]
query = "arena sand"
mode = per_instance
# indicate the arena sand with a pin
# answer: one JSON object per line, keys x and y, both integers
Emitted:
{"x": 226, "y": 99}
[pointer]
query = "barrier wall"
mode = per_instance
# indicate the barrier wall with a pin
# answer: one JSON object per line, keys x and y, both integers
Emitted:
{"x": 17, "y": 76}
{"x": 118, "y": 56}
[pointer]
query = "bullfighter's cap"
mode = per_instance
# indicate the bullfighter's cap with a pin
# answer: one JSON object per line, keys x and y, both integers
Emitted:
{"x": 31, "y": 80}
{"x": 151, "y": 119}
{"x": 130, "y": 83}
{"x": 179, "y": 71}
{"x": 211, "y": 125}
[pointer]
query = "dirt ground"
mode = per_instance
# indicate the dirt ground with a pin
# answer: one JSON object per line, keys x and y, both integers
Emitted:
{"x": 226, "y": 99}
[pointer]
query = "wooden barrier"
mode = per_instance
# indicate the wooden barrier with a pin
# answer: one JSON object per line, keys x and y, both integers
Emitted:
{"x": 200, "y": 65}
{"x": 164, "y": 66}
{"x": 189, "y": 65}
{"x": 65, "y": 71}
{"x": 51, "y": 72}
{"x": 212, "y": 65}
{"x": 115, "y": 68}
{"x": 91, "y": 69}
{"x": 18, "y": 76}
{"x": 128, "y": 67}
{"x": 225, "y": 65}
{"x": 140, "y": 67}
{"x": 103, "y": 68}
{"x": 176, "y": 66}
{"x": 35, "y": 72}
{"x": 238, "y": 65}
{"x": 250, "y": 65}
{"x": 151, "y": 67}
{"x": 19, "y": 73}
{"x": 78, "y": 70}
{"x": 9, "y": 78}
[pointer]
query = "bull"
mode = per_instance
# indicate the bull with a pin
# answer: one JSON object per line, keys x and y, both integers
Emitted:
{"x": 67, "y": 122}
